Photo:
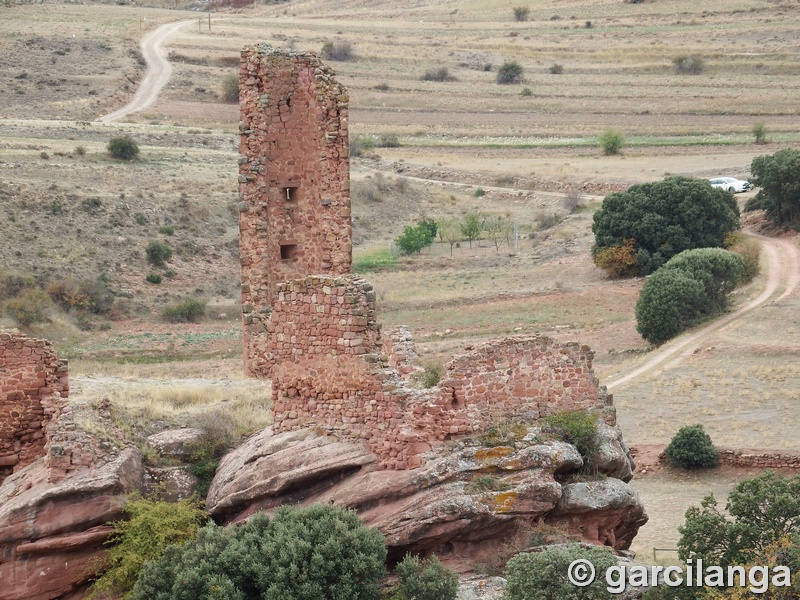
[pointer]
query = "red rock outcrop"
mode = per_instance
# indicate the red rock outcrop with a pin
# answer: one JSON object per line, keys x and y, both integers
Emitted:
{"x": 66, "y": 483}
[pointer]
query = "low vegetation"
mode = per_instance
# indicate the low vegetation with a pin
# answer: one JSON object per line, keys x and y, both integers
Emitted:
{"x": 543, "y": 575}
{"x": 188, "y": 310}
{"x": 423, "y": 579}
{"x": 509, "y": 72}
{"x": 123, "y": 148}
{"x": 691, "y": 448}
{"x": 689, "y": 64}
{"x": 611, "y": 142}
{"x": 230, "y": 88}
{"x": 341, "y": 50}
{"x": 341, "y": 558}
{"x": 149, "y": 528}
{"x": 578, "y": 428}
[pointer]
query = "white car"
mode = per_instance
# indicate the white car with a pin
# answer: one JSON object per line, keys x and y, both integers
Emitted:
{"x": 730, "y": 184}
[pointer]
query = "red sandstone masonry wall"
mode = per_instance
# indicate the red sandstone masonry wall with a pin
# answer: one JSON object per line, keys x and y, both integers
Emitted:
{"x": 294, "y": 181}
{"x": 33, "y": 384}
{"x": 330, "y": 369}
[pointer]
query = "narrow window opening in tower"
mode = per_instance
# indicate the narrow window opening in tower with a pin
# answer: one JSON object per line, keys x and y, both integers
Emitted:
{"x": 288, "y": 251}
{"x": 288, "y": 194}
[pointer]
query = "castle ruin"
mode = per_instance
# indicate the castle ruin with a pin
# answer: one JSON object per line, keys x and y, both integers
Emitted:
{"x": 311, "y": 327}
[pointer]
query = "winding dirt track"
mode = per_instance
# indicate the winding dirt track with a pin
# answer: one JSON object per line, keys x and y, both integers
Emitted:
{"x": 158, "y": 71}
{"x": 783, "y": 270}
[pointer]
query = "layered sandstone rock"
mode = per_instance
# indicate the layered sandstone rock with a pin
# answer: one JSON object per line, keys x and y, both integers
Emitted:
{"x": 461, "y": 504}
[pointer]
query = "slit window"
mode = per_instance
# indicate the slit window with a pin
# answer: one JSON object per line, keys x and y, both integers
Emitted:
{"x": 288, "y": 251}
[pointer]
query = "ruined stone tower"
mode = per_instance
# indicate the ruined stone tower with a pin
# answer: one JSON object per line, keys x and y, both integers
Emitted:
{"x": 294, "y": 181}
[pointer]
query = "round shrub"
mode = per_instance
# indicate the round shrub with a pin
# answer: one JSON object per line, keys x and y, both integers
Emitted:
{"x": 509, "y": 72}
{"x": 689, "y": 289}
{"x": 123, "y": 148}
{"x": 611, "y": 142}
{"x": 691, "y": 448}
{"x": 153, "y": 278}
{"x": 543, "y": 575}
{"x": 319, "y": 551}
{"x": 426, "y": 579}
{"x": 158, "y": 253}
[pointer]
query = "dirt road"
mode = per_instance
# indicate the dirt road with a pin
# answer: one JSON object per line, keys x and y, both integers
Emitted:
{"x": 158, "y": 72}
{"x": 783, "y": 275}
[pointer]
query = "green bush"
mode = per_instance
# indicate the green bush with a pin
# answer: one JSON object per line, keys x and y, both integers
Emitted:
{"x": 158, "y": 253}
{"x": 414, "y": 239}
{"x": 80, "y": 150}
{"x": 665, "y": 218}
{"x": 556, "y": 69}
{"x": 611, "y": 142}
{"x": 691, "y": 64}
{"x": 578, "y": 428}
{"x": 190, "y": 310}
{"x": 691, "y": 288}
{"x": 154, "y": 278}
{"x": 123, "y": 148}
{"x": 760, "y": 133}
{"x": 691, "y": 448}
{"x": 166, "y": 230}
{"x": 543, "y": 575}
{"x": 319, "y": 551}
{"x": 778, "y": 176}
{"x": 230, "y": 88}
{"x": 424, "y": 579}
{"x": 509, "y": 72}
{"x": 360, "y": 145}
{"x": 389, "y": 140}
{"x": 29, "y": 307}
{"x": 472, "y": 225}
{"x": 430, "y": 375}
{"x": 526, "y": 92}
{"x": 90, "y": 295}
{"x": 151, "y": 526}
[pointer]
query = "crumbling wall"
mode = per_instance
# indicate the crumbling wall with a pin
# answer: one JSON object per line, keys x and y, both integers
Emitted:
{"x": 33, "y": 385}
{"x": 330, "y": 370}
{"x": 294, "y": 181}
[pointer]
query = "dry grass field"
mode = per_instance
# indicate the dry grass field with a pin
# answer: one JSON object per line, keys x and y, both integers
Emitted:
{"x": 68, "y": 210}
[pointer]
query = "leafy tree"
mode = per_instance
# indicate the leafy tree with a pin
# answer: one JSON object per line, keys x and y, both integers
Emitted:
{"x": 472, "y": 225}
{"x": 509, "y": 72}
{"x": 778, "y": 176}
{"x": 612, "y": 142}
{"x": 123, "y": 148}
{"x": 760, "y": 512}
{"x": 543, "y": 575}
{"x": 618, "y": 261}
{"x": 320, "y": 552}
{"x": 665, "y": 218}
{"x": 689, "y": 289}
{"x": 691, "y": 448}
{"x": 424, "y": 579}
{"x": 450, "y": 231}
{"x": 759, "y": 133}
{"x": 414, "y": 239}
{"x": 151, "y": 526}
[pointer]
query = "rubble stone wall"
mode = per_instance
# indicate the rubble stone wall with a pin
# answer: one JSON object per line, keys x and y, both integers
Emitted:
{"x": 33, "y": 386}
{"x": 331, "y": 370}
{"x": 294, "y": 181}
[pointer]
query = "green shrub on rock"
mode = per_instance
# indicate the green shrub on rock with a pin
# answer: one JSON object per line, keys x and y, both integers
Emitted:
{"x": 318, "y": 552}
{"x": 691, "y": 448}
{"x": 543, "y": 575}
